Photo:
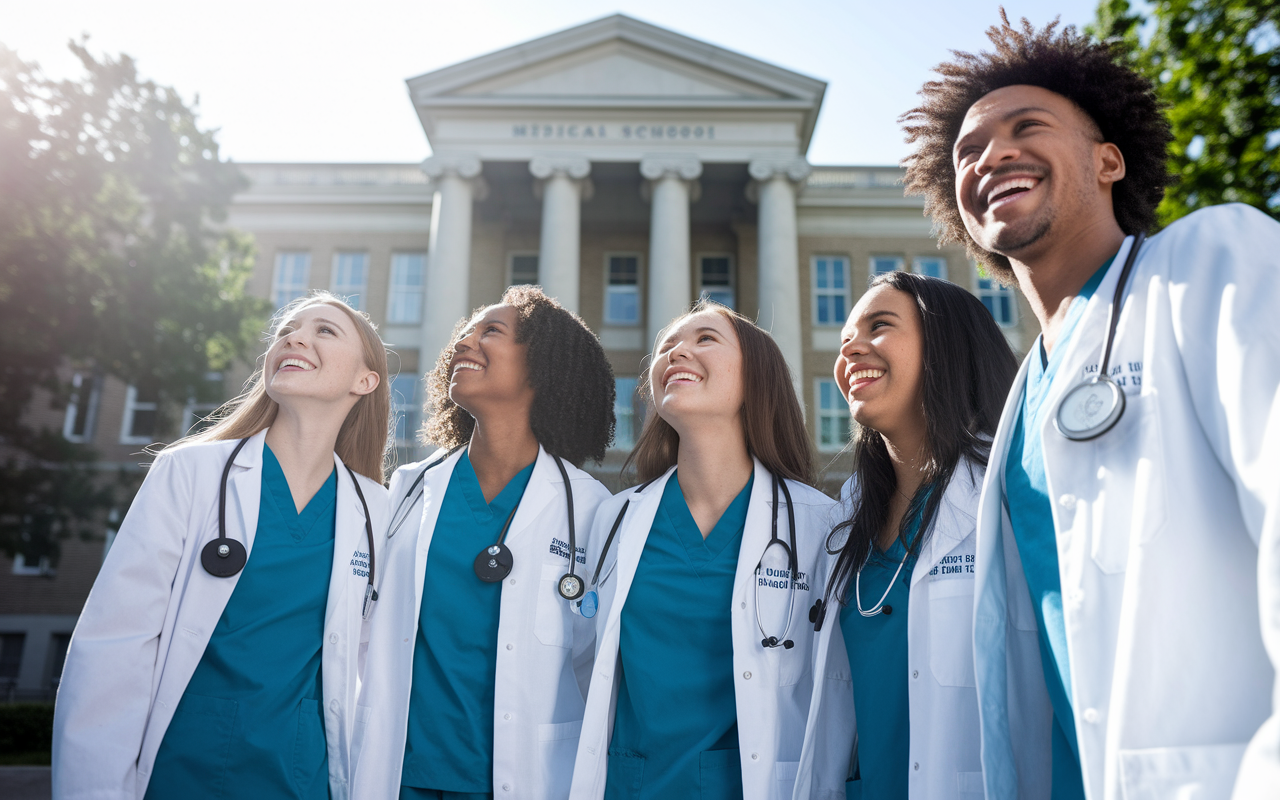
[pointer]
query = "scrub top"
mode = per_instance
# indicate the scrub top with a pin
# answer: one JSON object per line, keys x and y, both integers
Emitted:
{"x": 250, "y": 723}
{"x": 676, "y": 729}
{"x": 1031, "y": 514}
{"x": 449, "y": 747}
{"x": 877, "y": 648}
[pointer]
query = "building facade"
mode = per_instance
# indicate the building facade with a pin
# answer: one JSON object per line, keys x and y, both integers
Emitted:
{"x": 626, "y": 169}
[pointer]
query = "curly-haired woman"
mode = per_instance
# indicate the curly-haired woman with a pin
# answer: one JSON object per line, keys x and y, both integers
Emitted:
{"x": 478, "y": 661}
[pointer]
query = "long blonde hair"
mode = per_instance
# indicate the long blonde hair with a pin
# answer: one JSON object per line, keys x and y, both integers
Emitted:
{"x": 363, "y": 439}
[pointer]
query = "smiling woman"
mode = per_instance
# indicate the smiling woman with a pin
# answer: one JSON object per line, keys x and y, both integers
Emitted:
{"x": 259, "y": 683}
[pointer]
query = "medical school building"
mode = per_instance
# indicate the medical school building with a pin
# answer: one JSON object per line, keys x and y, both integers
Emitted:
{"x": 627, "y": 170}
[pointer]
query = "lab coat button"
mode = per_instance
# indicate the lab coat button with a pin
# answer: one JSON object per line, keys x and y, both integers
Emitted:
{"x": 512, "y": 581}
{"x": 1091, "y": 715}
{"x": 915, "y": 673}
{"x": 1068, "y": 501}
{"x": 746, "y": 675}
{"x": 506, "y": 716}
{"x": 333, "y": 638}
{"x": 742, "y": 605}
{"x": 916, "y": 766}
{"x": 334, "y": 705}
{"x": 755, "y": 756}
{"x": 511, "y": 646}
{"x": 506, "y": 787}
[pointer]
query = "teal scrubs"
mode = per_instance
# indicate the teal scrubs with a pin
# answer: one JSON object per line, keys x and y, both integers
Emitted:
{"x": 877, "y": 648}
{"x": 675, "y": 734}
{"x": 1030, "y": 512}
{"x": 250, "y": 723}
{"x": 449, "y": 748}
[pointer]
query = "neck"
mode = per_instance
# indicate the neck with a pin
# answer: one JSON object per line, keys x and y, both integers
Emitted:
{"x": 303, "y": 444}
{"x": 909, "y": 457}
{"x": 714, "y": 466}
{"x": 1052, "y": 279}
{"x": 501, "y": 445}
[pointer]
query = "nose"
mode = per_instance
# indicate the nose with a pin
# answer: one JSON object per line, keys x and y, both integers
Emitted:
{"x": 465, "y": 343}
{"x": 678, "y": 350}
{"x": 296, "y": 338}
{"x": 999, "y": 150}
{"x": 854, "y": 346}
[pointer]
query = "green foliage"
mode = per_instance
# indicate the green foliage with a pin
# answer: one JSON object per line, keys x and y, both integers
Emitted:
{"x": 1216, "y": 66}
{"x": 26, "y": 733}
{"x": 110, "y": 256}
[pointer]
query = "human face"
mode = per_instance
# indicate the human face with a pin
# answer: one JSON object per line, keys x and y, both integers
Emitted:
{"x": 880, "y": 369}
{"x": 489, "y": 368}
{"x": 317, "y": 354}
{"x": 1031, "y": 169}
{"x": 697, "y": 371}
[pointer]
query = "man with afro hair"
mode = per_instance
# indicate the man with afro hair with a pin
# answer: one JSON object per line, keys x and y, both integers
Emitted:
{"x": 1128, "y": 569}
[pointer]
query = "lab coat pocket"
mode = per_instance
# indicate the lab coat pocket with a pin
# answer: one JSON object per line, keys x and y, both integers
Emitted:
{"x": 720, "y": 774}
{"x": 553, "y": 623}
{"x": 626, "y": 775}
{"x": 785, "y": 772}
{"x": 951, "y": 631}
{"x": 969, "y": 786}
{"x": 310, "y": 777}
{"x": 1208, "y": 771}
{"x": 1131, "y": 473}
{"x": 557, "y": 747}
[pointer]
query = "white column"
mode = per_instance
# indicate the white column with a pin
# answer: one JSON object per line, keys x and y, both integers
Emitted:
{"x": 775, "y": 187}
{"x": 564, "y": 187}
{"x": 448, "y": 279}
{"x": 672, "y": 187}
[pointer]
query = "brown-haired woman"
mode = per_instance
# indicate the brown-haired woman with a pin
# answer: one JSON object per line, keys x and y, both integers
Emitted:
{"x": 478, "y": 659}
{"x": 702, "y": 577}
{"x": 217, "y": 653}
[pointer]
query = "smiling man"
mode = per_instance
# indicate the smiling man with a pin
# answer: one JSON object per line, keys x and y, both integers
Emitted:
{"x": 1128, "y": 556}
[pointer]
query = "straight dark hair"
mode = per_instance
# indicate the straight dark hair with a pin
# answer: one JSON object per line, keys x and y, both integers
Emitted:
{"x": 968, "y": 369}
{"x": 772, "y": 421}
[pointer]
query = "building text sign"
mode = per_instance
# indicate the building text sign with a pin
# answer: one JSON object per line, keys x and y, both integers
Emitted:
{"x": 575, "y": 130}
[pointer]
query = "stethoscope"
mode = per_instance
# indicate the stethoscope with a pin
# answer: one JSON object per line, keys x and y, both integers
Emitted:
{"x": 591, "y": 602}
{"x": 224, "y": 556}
{"x": 494, "y": 563}
{"x": 1095, "y": 405}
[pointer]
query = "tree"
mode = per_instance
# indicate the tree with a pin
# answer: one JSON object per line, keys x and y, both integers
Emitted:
{"x": 110, "y": 256}
{"x": 1216, "y": 66}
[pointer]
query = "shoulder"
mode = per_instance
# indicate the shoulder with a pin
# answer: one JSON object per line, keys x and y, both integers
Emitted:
{"x": 409, "y": 472}
{"x": 1215, "y": 244}
{"x": 965, "y": 489}
{"x": 802, "y": 494}
{"x": 585, "y": 483}
{"x": 193, "y": 455}
{"x": 371, "y": 488}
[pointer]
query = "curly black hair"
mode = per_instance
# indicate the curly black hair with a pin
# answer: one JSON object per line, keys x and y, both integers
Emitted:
{"x": 1121, "y": 102}
{"x": 573, "y": 390}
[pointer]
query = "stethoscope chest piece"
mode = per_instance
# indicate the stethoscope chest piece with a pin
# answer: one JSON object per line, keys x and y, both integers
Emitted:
{"x": 223, "y": 557}
{"x": 571, "y": 586}
{"x": 1090, "y": 409}
{"x": 494, "y": 563}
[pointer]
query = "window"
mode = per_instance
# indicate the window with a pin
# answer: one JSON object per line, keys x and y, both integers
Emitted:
{"x": 350, "y": 277}
{"x": 408, "y": 271}
{"x": 11, "y": 646}
{"x": 625, "y": 404}
{"x": 82, "y": 410}
{"x": 58, "y": 656}
{"x": 622, "y": 290}
{"x": 830, "y": 290}
{"x": 998, "y": 299}
{"x": 195, "y": 415}
{"x": 931, "y": 267}
{"x": 141, "y": 404}
{"x": 717, "y": 279}
{"x": 524, "y": 269}
{"x": 833, "y": 416}
{"x": 882, "y": 264}
{"x": 407, "y": 409}
{"x": 292, "y": 278}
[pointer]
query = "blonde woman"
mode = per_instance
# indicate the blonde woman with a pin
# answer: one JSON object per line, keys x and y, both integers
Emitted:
{"x": 217, "y": 653}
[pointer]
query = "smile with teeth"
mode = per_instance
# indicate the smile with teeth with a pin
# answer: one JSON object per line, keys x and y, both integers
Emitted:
{"x": 683, "y": 376}
{"x": 461, "y": 365}
{"x": 295, "y": 362}
{"x": 1007, "y": 190}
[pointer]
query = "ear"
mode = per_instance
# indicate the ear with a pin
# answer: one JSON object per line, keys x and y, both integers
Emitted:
{"x": 1109, "y": 162}
{"x": 366, "y": 383}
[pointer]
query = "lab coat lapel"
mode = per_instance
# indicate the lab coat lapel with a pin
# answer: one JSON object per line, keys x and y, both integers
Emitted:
{"x": 348, "y": 542}
{"x": 434, "y": 485}
{"x": 544, "y": 484}
{"x": 758, "y": 530}
{"x": 631, "y": 539}
{"x": 951, "y": 524}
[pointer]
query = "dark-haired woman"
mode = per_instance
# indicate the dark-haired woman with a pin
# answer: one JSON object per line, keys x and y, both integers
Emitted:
{"x": 925, "y": 371}
{"x": 478, "y": 661}
{"x": 702, "y": 579}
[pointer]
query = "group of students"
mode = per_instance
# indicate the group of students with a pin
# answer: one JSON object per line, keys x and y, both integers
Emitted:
{"x": 1008, "y": 599}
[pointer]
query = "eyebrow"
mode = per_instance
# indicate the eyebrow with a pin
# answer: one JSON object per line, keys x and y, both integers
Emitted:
{"x": 327, "y": 321}
{"x": 885, "y": 313}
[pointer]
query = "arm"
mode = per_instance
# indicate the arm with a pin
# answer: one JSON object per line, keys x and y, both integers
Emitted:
{"x": 1224, "y": 291}
{"x": 105, "y": 696}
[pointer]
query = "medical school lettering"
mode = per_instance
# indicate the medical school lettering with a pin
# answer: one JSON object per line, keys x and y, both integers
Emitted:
{"x": 542, "y": 130}
{"x": 360, "y": 564}
{"x": 777, "y": 579}
{"x": 561, "y": 548}
{"x": 955, "y": 566}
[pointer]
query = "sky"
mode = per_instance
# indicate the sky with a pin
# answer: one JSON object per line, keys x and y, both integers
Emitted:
{"x": 323, "y": 81}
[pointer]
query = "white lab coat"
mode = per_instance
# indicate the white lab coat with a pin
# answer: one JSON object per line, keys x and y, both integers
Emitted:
{"x": 153, "y": 608}
{"x": 1159, "y": 523}
{"x": 943, "y": 705}
{"x": 544, "y": 648}
{"x": 772, "y": 686}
